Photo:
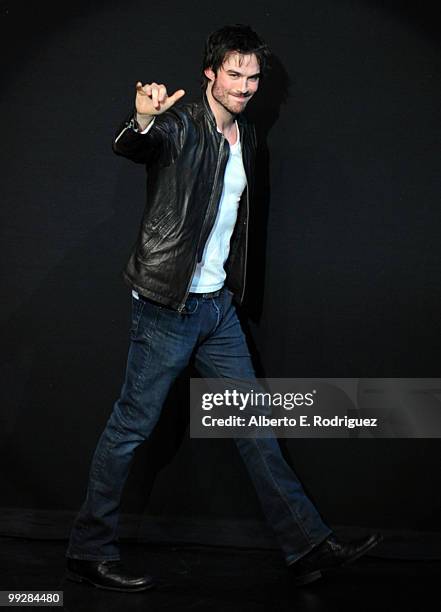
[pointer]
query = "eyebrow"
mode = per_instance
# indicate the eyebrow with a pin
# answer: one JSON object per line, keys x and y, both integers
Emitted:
{"x": 241, "y": 73}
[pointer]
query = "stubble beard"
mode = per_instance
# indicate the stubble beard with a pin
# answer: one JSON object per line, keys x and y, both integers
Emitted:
{"x": 221, "y": 97}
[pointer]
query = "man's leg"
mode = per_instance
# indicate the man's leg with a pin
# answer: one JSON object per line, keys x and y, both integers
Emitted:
{"x": 162, "y": 341}
{"x": 223, "y": 353}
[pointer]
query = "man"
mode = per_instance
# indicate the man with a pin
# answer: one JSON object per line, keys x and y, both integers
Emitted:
{"x": 187, "y": 267}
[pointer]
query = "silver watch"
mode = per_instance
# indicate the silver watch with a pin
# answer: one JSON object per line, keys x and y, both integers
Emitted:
{"x": 134, "y": 125}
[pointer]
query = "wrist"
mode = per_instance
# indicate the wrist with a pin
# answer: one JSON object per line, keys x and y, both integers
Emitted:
{"x": 143, "y": 120}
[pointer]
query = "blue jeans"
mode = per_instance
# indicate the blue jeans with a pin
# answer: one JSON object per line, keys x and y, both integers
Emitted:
{"x": 162, "y": 343}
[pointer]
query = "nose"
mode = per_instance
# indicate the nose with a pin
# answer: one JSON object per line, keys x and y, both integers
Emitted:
{"x": 244, "y": 86}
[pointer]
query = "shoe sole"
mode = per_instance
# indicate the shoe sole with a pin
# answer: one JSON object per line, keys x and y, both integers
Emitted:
{"x": 77, "y": 578}
{"x": 307, "y": 578}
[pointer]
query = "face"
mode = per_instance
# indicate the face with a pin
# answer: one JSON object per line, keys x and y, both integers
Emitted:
{"x": 236, "y": 81}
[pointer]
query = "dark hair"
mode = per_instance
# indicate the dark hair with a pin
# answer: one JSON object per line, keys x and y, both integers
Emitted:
{"x": 229, "y": 39}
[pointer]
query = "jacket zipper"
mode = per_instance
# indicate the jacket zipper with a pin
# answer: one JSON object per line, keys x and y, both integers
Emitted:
{"x": 247, "y": 218}
{"x": 246, "y": 245}
{"x": 210, "y": 205}
{"x": 121, "y": 133}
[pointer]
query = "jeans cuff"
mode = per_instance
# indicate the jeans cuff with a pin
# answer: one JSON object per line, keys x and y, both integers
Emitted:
{"x": 293, "y": 557}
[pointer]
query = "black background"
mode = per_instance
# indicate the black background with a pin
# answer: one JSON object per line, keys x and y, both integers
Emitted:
{"x": 345, "y": 261}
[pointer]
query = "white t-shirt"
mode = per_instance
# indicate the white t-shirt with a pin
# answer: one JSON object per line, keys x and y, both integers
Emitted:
{"x": 209, "y": 274}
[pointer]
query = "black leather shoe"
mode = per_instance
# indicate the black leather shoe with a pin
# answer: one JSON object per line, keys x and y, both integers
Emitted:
{"x": 107, "y": 575}
{"x": 330, "y": 554}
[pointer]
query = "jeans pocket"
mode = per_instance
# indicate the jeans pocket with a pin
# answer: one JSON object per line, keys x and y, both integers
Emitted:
{"x": 191, "y": 305}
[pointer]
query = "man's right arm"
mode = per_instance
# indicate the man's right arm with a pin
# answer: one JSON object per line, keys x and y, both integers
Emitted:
{"x": 136, "y": 139}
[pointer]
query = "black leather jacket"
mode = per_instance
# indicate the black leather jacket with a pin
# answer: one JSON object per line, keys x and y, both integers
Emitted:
{"x": 185, "y": 157}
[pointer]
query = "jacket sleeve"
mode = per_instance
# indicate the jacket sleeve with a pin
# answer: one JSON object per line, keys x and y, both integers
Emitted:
{"x": 161, "y": 144}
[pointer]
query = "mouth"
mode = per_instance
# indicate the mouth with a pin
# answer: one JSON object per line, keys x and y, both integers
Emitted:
{"x": 240, "y": 97}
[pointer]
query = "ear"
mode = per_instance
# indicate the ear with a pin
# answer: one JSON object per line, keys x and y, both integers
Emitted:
{"x": 209, "y": 74}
